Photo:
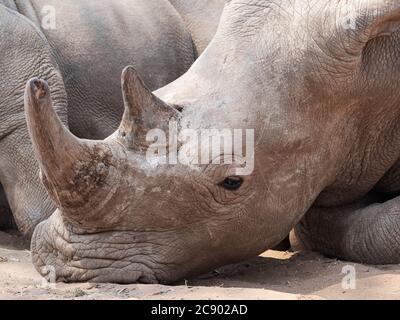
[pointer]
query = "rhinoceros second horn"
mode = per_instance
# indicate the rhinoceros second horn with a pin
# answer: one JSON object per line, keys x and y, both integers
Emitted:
{"x": 143, "y": 111}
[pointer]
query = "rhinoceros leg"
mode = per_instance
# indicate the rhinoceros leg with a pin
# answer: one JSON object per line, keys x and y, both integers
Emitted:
{"x": 366, "y": 232}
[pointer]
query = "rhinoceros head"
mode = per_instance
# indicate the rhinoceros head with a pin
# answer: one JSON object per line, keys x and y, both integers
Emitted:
{"x": 127, "y": 215}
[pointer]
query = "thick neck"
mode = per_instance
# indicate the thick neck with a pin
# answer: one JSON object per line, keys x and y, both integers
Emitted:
{"x": 369, "y": 148}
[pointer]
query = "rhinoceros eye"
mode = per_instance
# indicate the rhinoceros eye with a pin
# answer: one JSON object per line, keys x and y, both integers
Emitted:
{"x": 231, "y": 183}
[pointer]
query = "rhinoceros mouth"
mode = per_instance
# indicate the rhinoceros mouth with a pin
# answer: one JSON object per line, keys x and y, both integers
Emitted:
{"x": 61, "y": 255}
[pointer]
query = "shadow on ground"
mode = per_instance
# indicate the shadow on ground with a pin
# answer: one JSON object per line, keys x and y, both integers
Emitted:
{"x": 308, "y": 273}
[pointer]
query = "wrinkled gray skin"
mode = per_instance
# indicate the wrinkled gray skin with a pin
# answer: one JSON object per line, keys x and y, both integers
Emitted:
{"x": 323, "y": 100}
{"x": 94, "y": 40}
{"x": 91, "y": 44}
{"x": 201, "y": 17}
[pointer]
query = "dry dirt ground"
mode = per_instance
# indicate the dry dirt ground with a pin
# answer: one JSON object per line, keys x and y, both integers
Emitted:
{"x": 273, "y": 275}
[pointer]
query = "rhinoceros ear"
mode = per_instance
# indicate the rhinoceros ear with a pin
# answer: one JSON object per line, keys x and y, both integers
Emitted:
{"x": 143, "y": 112}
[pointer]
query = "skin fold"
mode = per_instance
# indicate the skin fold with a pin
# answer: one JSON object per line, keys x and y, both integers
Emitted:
{"x": 81, "y": 57}
{"x": 323, "y": 101}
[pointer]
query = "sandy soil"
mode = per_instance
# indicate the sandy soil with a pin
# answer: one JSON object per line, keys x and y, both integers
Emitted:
{"x": 273, "y": 275}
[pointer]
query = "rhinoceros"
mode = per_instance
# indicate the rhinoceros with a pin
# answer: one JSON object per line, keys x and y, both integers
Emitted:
{"x": 80, "y": 47}
{"x": 317, "y": 81}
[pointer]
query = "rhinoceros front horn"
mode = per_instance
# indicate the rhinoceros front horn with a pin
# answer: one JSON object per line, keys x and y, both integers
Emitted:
{"x": 143, "y": 111}
{"x": 74, "y": 171}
